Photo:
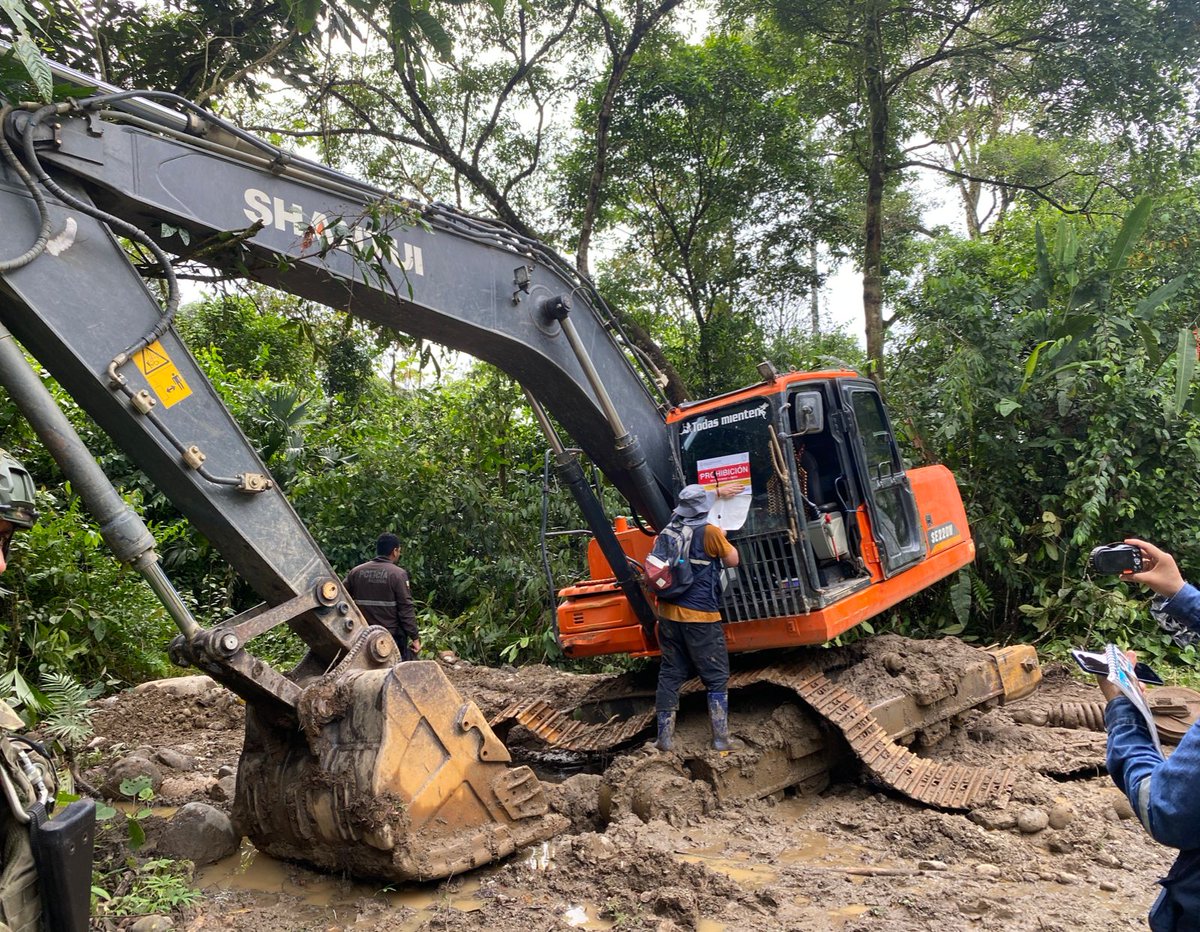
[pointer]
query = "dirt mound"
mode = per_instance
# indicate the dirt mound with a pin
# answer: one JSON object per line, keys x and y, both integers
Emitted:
{"x": 656, "y": 853}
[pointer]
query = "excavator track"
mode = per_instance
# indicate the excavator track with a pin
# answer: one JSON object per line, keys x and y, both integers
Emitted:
{"x": 946, "y": 786}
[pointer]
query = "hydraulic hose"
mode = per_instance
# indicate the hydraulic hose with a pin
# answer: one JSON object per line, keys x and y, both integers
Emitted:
{"x": 39, "y": 245}
{"x": 116, "y": 223}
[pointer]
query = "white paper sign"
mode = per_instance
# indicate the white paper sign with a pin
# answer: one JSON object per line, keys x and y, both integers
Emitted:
{"x": 728, "y": 477}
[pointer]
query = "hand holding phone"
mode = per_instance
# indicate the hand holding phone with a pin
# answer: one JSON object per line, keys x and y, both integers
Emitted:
{"x": 1095, "y": 662}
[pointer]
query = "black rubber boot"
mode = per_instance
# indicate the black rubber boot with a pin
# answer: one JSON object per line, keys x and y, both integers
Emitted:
{"x": 718, "y": 713}
{"x": 666, "y": 730}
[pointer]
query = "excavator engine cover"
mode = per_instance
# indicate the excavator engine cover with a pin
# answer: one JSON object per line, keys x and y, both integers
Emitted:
{"x": 394, "y": 776}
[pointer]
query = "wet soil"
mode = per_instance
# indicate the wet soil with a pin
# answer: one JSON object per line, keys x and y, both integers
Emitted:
{"x": 855, "y": 857}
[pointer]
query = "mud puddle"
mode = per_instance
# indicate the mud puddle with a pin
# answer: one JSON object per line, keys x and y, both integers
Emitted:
{"x": 262, "y": 883}
{"x": 853, "y": 859}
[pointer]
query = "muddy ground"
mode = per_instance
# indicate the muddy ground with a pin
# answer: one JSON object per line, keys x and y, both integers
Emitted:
{"x": 854, "y": 857}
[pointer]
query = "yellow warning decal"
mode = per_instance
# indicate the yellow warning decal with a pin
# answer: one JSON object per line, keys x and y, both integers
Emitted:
{"x": 162, "y": 375}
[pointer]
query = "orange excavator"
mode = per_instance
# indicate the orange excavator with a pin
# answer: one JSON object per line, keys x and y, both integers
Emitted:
{"x": 831, "y": 528}
{"x": 352, "y": 761}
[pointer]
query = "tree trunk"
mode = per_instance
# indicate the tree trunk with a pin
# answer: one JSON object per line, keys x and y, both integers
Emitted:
{"x": 643, "y": 23}
{"x": 877, "y": 140}
{"x": 814, "y": 297}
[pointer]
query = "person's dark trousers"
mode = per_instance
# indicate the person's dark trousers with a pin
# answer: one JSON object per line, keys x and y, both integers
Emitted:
{"x": 690, "y": 648}
{"x": 402, "y": 642}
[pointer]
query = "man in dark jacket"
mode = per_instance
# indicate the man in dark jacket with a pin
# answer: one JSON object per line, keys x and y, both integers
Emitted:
{"x": 1163, "y": 792}
{"x": 689, "y": 626}
{"x": 380, "y": 588}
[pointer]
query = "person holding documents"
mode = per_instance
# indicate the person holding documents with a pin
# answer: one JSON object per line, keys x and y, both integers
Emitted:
{"x": 1164, "y": 792}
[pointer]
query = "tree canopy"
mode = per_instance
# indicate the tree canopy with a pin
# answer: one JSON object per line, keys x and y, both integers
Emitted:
{"x": 709, "y": 172}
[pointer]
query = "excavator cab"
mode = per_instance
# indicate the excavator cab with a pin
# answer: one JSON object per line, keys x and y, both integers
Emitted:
{"x": 808, "y": 483}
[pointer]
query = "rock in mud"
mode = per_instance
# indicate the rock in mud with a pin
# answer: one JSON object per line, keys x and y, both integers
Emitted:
{"x": 191, "y": 686}
{"x": 677, "y": 904}
{"x": 1122, "y": 807}
{"x": 1060, "y": 815}
{"x": 993, "y": 819}
{"x": 198, "y": 833}
{"x": 1032, "y": 821}
{"x": 578, "y": 798}
{"x": 592, "y": 848}
{"x": 152, "y": 924}
{"x": 130, "y": 768}
{"x": 653, "y": 786}
{"x": 186, "y": 786}
{"x": 176, "y": 760}
{"x": 990, "y": 871}
{"x": 223, "y": 790}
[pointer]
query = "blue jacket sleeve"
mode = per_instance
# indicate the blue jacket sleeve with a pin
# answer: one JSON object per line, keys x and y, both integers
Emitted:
{"x": 1161, "y": 791}
{"x": 1184, "y": 606}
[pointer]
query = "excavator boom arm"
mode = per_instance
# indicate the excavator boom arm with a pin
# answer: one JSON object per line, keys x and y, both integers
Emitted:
{"x": 351, "y": 761}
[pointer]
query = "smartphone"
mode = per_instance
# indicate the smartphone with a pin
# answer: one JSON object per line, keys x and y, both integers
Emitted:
{"x": 1095, "y": 662}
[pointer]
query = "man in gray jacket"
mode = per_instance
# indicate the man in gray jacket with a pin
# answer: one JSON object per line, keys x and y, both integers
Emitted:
{"x": 380, "y": 588}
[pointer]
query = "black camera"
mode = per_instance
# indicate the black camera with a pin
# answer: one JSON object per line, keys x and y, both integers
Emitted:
{"x": 1116, "y": 558}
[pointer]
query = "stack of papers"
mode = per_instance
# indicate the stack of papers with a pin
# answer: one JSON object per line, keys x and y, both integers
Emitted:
{"x": 1120, "y": 674}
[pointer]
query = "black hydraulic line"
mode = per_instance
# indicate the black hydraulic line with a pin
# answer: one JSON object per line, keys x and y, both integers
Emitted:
{"x": 39, "y": 245}
{"x": 639, "y": 523}
{"x": 172, "y": 305}
{"x": 115, "y": 223}
{"x": 552, "y": 595}
{"x": 122, "y": 529}
{"x": 478, "y": 228}
{"x": 626, "y": 446}
{"x": 129, "y": 182}
{"x": 570, "y": 471}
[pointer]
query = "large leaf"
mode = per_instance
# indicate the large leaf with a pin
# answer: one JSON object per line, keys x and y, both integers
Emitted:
{"x": 1031, "y": 365}
{"x": 1185, "y": 367}
{"x": 1155, "y": 299}
{"x": 960, "y": 598}
{"x": 1045, "y": 276}
{"x": 433, "y": 31}
{"x": 31, "y": 57}
{"x": 1150, "y": 342}
{"x": 1066, "y": 244}
{"x": 1131, "y": 232}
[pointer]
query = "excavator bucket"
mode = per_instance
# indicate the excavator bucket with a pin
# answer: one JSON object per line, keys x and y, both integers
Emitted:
{"x": 394, "y": 777}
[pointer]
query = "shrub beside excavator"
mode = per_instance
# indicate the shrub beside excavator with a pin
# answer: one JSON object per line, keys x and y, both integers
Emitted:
{"x": 353, "y": 762}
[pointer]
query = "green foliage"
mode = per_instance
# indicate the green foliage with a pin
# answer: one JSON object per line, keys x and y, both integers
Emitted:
{"x": 66, "y": 713}
{"x": 200, "y": 49}
{"x": 25, "y": 50}
{"x": 271, "y": 344}
{"x": 714, "y": 183}
{"x": 1051, "y": 375}
{"x": 456, "y": 474}
{"x": 141, "y": 791}
{"x": 70, "y": 607}
{"x": 155, "y": 886}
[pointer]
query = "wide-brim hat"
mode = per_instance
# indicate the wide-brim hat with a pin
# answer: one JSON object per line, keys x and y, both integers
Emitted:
{"x": 693, "y": 501}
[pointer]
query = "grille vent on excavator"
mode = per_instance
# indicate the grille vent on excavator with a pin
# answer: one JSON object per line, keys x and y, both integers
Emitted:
{"x": 768, "y": 582}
